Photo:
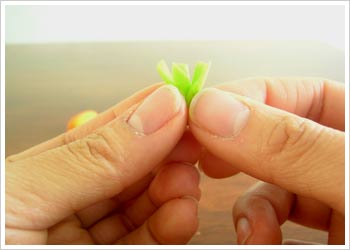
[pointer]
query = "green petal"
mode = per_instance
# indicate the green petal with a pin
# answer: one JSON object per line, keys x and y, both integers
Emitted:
{"x": 181, "y": 77}
{"x": 199, "y": 76}
{"x": 184, "y": 67}
{"x": 164, "y": 72}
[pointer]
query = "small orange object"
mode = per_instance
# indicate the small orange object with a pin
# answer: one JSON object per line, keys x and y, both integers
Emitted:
{"x": 81, "y": 118}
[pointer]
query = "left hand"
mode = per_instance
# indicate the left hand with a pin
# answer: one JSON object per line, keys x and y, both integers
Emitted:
{"x": 110, "y": 181}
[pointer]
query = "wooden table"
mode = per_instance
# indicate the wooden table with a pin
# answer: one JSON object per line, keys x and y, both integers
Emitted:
{"x": 47, "y": 84}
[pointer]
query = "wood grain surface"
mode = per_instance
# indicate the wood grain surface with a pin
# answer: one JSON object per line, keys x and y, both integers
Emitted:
{"x": 46, "y": 84}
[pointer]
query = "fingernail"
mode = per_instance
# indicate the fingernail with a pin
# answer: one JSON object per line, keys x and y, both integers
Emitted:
{"x": 200, "y": 168}
{"x": 243, "y": 231}
{"x": 219, "y": 112}
{"x": 192, "y": 198}
{"x": 156, "y": 110}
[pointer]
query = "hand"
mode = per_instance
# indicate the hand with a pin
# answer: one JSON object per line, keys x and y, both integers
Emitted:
{"x": 110, "y": 181}
{"x": 286, "y": 132}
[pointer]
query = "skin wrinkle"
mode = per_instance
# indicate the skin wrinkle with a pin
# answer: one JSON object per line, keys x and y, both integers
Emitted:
{"x": 303, "y": 151}
{"x": 67, "y": 168}
{"x": 16, "y": 236}
{"x": 125, "y": 227}
{"x": 294, "y": 136}
{"x": 131, "y": 224}
{"x": 71, "y": 222}
{"x": 325, "y": 86}
{"x": 315, "y": 110}
{"x": 321, "y": 102}
{"x": 96, "y": 155}
{"x": 89, "y": 161}
{"x": 81, "y": 222}
{"x": 112, "y": 215}
{"x": 312, "y": 108}
{"x": 299, "y": 90}
{"x": 77, "y": 175}
{"x": 64, "y": 177}
{"x": 266, "y": 90}
{"x": 102, "y": 119}
{"x": 101, "y": 149}
{"x": 127, "y": 222}
{"x": 269, "y": 87}
{"x": 13, "y": 213}
{"x": 310, "y": 145}
{"x": 109, "y": 214}
{"x": 31, "y": 186}
{"x": 313, "y": 105}
{"x": 287, "y": 94}
{"x": 30, "y": 215}
{"x": 277, "y": 137}
{"x": 294, "y": 130}
{"x": 11, "y": 159}
{"x": 261, "y": 155}
{"x": 324, "y": 100}
{"x": 152, "y": 201}
{"x": 58, "y": 172}
{"x": 86, "y": 223}
{"x": 308, "y": 110}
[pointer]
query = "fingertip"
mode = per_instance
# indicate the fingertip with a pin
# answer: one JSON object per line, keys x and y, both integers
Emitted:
{"x": 175, "y": 222}
{"x": 256, "y": 222}
{"x": 219, "y": 112}
{"x": 156, "y": 110}
{"x": 215, "y": 167}
{"x": 186, "y": 150}
{"x": 173, "y": 181}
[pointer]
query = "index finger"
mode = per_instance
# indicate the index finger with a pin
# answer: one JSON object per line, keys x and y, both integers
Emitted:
{"x": 320, "y": 100}
{"x": 87, "y": 128}
{"x": 271, "y": 144}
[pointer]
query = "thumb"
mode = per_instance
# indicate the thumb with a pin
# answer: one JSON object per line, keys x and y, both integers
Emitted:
{"x": 273, "y": 145}
{"x": 43, "y": 189}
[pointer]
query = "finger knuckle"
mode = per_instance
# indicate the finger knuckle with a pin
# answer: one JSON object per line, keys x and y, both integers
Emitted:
{"x": 287, "y": 134}
{"x": 290, "y": 141}
{"x": 291, "y": 136}
{"x": 103, "y": 151}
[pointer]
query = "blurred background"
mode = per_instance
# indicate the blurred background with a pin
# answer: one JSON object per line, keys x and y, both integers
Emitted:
{"x": 61, "y": 60}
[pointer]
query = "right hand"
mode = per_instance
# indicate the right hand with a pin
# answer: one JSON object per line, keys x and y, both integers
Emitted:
{"x": 286, "y": 132}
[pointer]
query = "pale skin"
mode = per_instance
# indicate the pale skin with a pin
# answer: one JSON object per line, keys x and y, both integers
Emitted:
{"x": 107, "y": 183}
{"x": 112, "y": 185}
{"x": 303, "y": 160}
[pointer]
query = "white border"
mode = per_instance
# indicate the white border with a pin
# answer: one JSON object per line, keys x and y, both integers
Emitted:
{"x": 272, "y": 247}
{"x": 174, "y": 2}
{"x": 2, "y": 113}
{"x": 2, "y": 137}
{"x": 347, "y": 83}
